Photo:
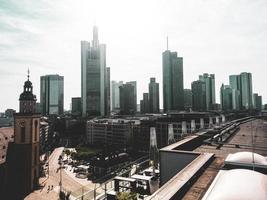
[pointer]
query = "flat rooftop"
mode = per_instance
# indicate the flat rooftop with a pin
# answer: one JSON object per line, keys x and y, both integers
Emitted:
{"x": 242, "y": 140}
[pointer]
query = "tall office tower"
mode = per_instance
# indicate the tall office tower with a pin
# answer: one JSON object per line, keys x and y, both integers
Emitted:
{"x": 127, "y": 100}
{"x": 187, "y": 99}
{"x": 235, "y": 83}
{"x": 52, "y": 94}
{"x": 76, "y": 106}
{"x": 246, "y": 90}
{"x": 209, "y": 81}
{"x": 257, "y": 102}
{"x": 23, "y": 154}
{"x": 95, "y": 78}
{"x": 226, "y": 97}
{"x": 145, "y": 104}
{"x": 153, "y": 96}
{"x": 173, "y": 83}
{"x": 134, "y": 84}
{"x": 115, "y": 94}
{"x": 198, "y": 95}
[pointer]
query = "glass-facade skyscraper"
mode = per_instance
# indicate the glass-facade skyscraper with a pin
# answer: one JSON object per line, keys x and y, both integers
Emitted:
{"x": 153, "y": 96}
{"x": 52, "y": 94}
{"x": 246, "y": 90}
{"x": 95, "y": 79}
{"x": 198, "y": 95}
{"x": 173, "y": 82}
{"x": 115, "y": 94}
{"x": 209, "y": 80}
{"x": 134, "y": 84}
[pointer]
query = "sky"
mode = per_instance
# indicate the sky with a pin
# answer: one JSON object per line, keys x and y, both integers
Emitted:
{"x": 213, "y": 36}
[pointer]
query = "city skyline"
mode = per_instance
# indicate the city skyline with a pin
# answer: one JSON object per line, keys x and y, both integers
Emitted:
{"x": 229, "y": 45}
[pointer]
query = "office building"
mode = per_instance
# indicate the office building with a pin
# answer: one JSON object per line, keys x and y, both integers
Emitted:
{"x": 52, "y": 94}
{"x": 173, "y": 83}
{"x": 115, "y": 95}
{"x": 188, "y": 99}
{"x": 127, "y": 99}
{"x": 246, "y": 90}
{"x": 243, "y": 85}
{"x": 76, "y": 106}
{"x": 153, "y": 96}
{"x": 95, "y": 86}
{"x": 145, "y": 103}
{"x": 209, "y": 80}
{"x": 198, "y": 95}
{"x": 257, "y": 102}
{"x": 134, "y": 84}
{"x": 226, "y": 97}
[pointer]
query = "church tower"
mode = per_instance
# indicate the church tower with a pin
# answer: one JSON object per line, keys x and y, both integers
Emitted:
{"x": 23, "y": 155}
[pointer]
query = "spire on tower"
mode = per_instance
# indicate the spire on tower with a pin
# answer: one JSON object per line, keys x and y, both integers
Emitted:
{"x": 28, "y": 73}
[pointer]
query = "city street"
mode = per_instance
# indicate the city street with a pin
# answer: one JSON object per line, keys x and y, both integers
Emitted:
{"x": 69, "y": 182}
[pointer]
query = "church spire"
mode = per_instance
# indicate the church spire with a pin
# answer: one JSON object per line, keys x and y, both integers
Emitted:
{"x": 28, "y": 76}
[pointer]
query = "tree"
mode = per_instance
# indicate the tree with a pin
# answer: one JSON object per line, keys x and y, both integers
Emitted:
{"x": 126, "y": 196}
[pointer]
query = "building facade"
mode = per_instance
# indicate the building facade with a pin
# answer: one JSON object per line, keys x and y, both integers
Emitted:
{"x": 173, "y": 83}
{"x": 188, "y": 99}
{"x": 198, "y": 96}
{"x": 246, "y": 90}
{"x": 52, "y": 94}
{"x": 127, "y": 99}
{"x": 115, "y": 95}
{"x": 209, "y": 80}
{"x": 95, "y": 78}
{"x": 145, "y": 103}
{"x": 134, "y": 84}
{"x": 153, "y": 96}
{"x": 76, "y": 106}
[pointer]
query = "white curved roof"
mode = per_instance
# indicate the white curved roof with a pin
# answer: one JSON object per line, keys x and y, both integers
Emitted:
{"x": 238, "y": 184}
{"x": 247, "y": 157}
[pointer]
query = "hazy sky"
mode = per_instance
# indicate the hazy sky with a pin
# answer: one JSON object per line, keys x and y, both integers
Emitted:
{"x": 214, "y": 36}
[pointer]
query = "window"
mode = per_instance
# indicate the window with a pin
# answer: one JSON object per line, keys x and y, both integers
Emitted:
{"x": 35, "y": 129}
{"x": 4, "y": 147}
{"x": 35, "y": 155}
{"x": 22, "y": 130}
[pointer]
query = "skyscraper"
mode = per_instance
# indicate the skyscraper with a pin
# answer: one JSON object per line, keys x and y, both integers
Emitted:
{"x": 209, "y": 81}
{"x": 76, "y": 106}
{"x": 226, "y": 97}
{"x": 52, "y": 94}
{"x": 115, "y": 94}
{"x": 235, "y": 84}
{"x": 127, "y": 100}
{"x": 145, "y": 104}
{"x": 243, "y": 85}
{"x": 187, "y": 99}
{"x": 134, "y": 84}
{"x": 173, "y": 83}
{"x": 198, "y": 96}
{"x": 257, "y": 102}
{"x": 153, "y": 96}
{"x": 95, "y": 78}
{"x": 246, "y": 90}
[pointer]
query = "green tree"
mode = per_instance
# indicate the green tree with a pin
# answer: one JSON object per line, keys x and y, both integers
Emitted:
{"x": 126, "y": 196}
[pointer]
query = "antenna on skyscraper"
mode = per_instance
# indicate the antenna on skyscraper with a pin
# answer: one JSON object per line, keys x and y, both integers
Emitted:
{"x": 167, "y": 43}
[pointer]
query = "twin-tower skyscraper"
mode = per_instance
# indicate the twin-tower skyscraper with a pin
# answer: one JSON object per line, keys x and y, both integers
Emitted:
{"x": 95, "y": 78}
